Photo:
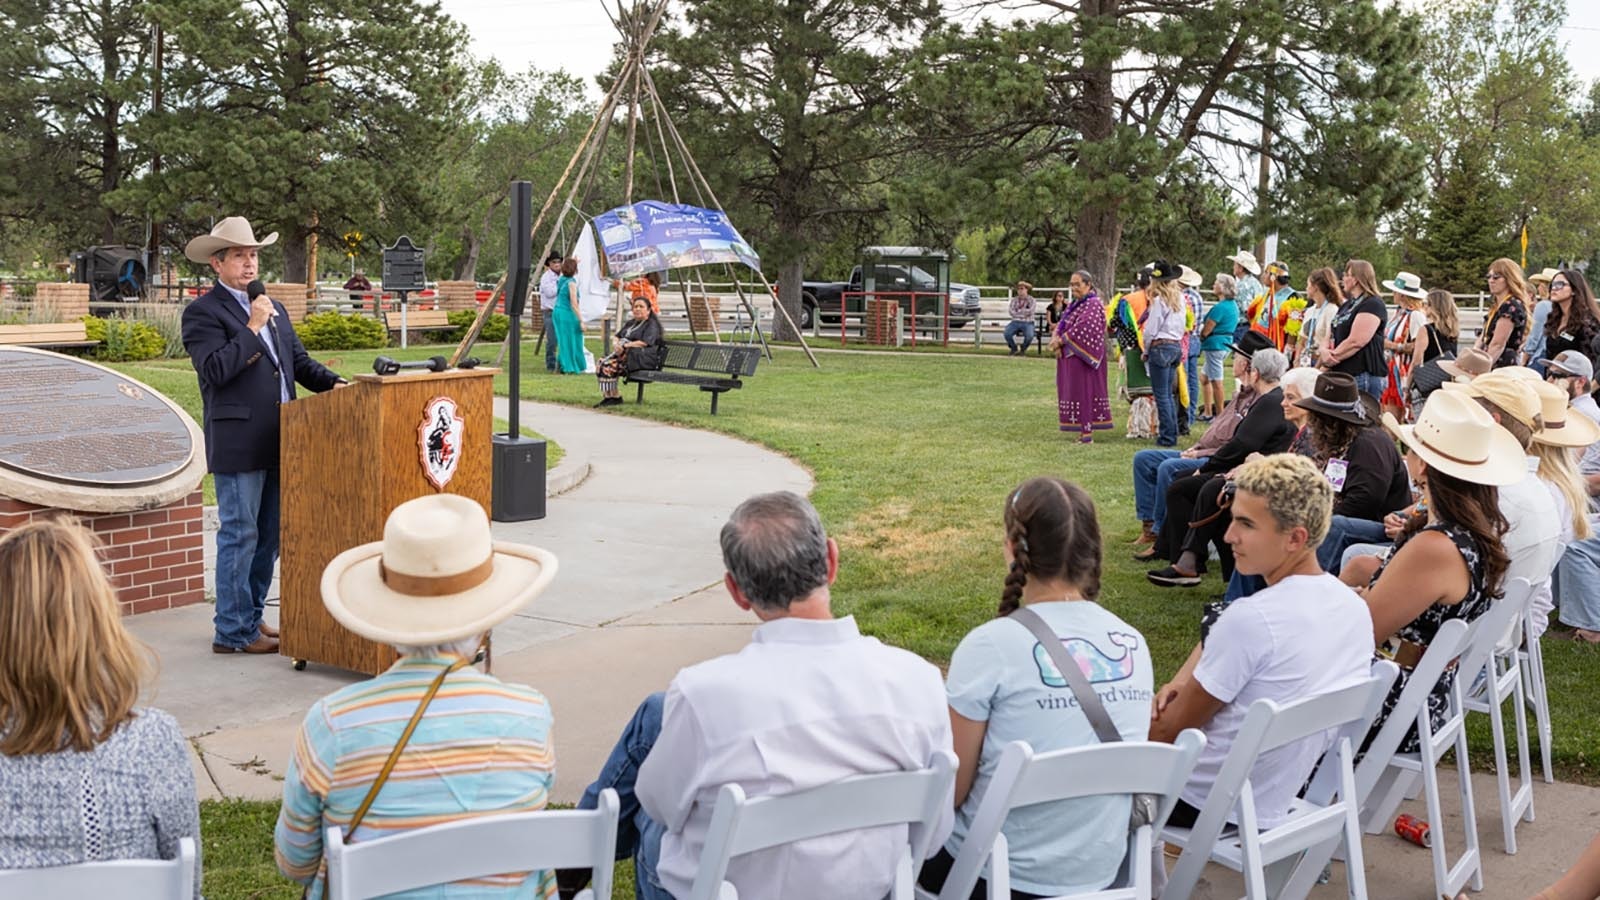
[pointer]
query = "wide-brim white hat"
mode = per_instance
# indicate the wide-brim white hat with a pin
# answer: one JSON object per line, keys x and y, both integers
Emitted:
{"x": 1407, "y": 284}
{"x": 437, "y": 576}
{"x": 1563, "y": 427}
{"x": 1188, "y": 277}
{"x": 1247, "y": 261}
{"x": 1456, "y": 436}
{"x": 234, "y": 231}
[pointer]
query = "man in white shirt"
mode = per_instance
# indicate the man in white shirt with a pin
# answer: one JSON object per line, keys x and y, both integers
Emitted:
{"x": 1576, "y": 583}
{"x": 1304, "y": 634}
{"x": 547, "y": 303}
{"x": 809, "y": 702}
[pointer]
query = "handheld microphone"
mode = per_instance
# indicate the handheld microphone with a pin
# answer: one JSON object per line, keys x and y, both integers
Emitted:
{"x": 383, "y": 365}
{"x": 256, "y": 289}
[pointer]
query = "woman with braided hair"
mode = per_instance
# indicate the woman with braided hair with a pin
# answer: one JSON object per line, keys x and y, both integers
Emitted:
{"x": 1003, "y": 687}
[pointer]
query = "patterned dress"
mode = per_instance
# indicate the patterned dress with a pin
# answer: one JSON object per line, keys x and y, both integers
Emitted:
{"x": 1081, "y": 397}
{"x": 1513, "y": 310}
{"x": 1398, "y": 362}
{"x": 1421, "y": 630}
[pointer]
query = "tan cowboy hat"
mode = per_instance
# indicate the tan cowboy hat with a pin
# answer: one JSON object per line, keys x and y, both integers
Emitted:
{"x": 1469, "y": 365}
{"x": 1457, "y": 437}
{"x": 1188, "y": 277}
{"x": 438, "y": 575}
{"x": 234, "y": 231}
{"x": 1508, "y": 389}
{"x": 1545, "y": 276}
{"x": 1561, "y": 427}
{"x": 1247, "y": 261}
{"x": 1407, "y": 284}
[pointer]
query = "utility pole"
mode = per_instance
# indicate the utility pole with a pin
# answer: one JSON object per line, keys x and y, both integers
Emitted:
{"x": 1264, "y": 175}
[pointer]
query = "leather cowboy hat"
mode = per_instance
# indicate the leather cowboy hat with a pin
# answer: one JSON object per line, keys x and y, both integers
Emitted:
{"x": 234, "y": 231}
{"x": 1246, "y": 260}
{"x": 1336, "y": 395}
{"x": 1407, "y": 284}
{"x": 1562, "y": 426}
{"x": 1469, "y": 365}
{"x": 1458, "y": 437}
{"x": 1251, "y": 342}
{"x": 438, "y": 575}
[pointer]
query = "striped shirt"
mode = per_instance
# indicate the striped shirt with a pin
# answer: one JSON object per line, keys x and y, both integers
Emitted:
{"x": 483, "y": 747}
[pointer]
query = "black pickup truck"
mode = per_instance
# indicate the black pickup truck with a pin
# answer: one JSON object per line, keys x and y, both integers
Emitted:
{"x": 825, "y": 297}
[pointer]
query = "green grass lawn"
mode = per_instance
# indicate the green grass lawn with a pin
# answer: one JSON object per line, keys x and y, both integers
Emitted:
{"x": 914, "y": 455}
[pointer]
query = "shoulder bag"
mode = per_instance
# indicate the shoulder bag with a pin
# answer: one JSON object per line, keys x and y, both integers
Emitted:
{"x": 1144, "y": 805}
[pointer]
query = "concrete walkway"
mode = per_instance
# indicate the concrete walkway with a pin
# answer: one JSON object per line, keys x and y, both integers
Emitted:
{"x": 638, "y": 597}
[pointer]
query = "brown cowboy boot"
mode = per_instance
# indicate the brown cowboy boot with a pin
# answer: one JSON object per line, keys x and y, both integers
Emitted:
{"x": 1147, "y": 535}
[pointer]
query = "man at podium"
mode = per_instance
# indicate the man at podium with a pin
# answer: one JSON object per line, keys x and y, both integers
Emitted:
{"x": 248, "y": 359}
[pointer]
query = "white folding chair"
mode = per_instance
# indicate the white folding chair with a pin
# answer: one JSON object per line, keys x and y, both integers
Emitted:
{"x": 1502, "y": 680}
{"x": 920, "y": 799}
{"x": 126, "y": 879}
{"x": 1531, "y": 657}
{"x": 1023, "y": 779}
{"x": 476, "y": 847}
{"x": 1271, "y": 860}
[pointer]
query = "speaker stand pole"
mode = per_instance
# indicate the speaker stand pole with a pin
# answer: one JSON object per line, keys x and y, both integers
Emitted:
{"x": 515, "y": 416}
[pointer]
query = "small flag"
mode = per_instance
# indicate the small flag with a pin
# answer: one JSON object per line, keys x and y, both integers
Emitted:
{"x": 1524, "y": 245}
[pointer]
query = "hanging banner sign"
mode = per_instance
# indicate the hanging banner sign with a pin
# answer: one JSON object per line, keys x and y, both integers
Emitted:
{"x": 650, "y": 236}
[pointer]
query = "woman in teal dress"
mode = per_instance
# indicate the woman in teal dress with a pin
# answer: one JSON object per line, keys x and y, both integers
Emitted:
{"x": 568, "y": 325}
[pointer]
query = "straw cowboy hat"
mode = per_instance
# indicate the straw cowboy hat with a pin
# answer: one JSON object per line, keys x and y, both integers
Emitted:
{"x": 1247, "y": 261}
{"x": 1336, "y": 395}
{"x": 438, "y": 575}
{"x": 1407, "y": 284}
{"x": 1456, "y": 436}
{"x": 1562, "y": 427}
{"x": 1510, "y": 389}
{"x": 1469, "y": 365}
{"x": 1188, "y": 277}
{"x": 1545, "y": 276}
{"x": 234, "y": 231}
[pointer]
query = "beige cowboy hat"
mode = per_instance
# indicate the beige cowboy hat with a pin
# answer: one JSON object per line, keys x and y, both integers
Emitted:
{"x": 1407, "y": 284}
{"x": 1247, "y": 261}
{"x": 1561, "y": 427}
{"x": 1188, "y": 277}
{"x": 234, "y": 231}
{"x": 1508, "y": 388}
{"x": 438, "y": 575}
{"x": 1456, "y": 436}
{"x": 1545, "y": 276}
{"x": 1469, "y": 365}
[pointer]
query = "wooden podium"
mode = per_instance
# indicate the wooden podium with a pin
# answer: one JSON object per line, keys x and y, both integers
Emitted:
{"x": 349, "y": 457}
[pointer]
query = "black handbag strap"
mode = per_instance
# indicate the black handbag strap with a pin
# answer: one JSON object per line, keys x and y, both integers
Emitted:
{"x": 1088, "y": 700}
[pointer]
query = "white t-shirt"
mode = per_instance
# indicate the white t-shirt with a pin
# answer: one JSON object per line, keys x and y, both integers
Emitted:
{"x": 1001, "y": 675}
{"x": 1305, "y": 635}
{"x": 1533, "y": 540}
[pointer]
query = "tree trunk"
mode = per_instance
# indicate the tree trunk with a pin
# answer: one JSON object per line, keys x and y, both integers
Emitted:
{"x": 790, "y": 277}
{"x": 294, "y": 254}
{"x": 467, "y": 263}
{"x": 1099, "y": 233}
{"x": 1099, "y": 223}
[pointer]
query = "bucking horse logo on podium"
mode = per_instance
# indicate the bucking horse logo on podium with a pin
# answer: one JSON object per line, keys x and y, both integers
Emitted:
{"x": 439, "y": 439}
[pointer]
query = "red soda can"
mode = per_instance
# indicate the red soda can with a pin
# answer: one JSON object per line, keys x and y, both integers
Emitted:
{"x": 1414, "y": 830}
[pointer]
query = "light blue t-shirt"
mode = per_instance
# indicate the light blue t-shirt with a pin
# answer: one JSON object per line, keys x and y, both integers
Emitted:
{"x": 1001, "y": 675}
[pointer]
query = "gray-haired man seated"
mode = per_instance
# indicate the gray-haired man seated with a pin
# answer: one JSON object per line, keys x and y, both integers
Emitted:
{"x": 808, "y": 702}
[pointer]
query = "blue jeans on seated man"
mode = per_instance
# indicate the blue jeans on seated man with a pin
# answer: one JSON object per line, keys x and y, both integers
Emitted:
{"x": 638, "y": 835}
{"x": 1163, "y": 365}
{"x": 1026, "y": 329}
{"x": 247, "y": 548}
{"x": 1344, "y": 531}
{"x": 1577, "y": 585}
{"x": 1154, "y": 470}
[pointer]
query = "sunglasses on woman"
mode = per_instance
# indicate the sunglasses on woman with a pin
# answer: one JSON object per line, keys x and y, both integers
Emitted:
{"x": 1559, "y": 284}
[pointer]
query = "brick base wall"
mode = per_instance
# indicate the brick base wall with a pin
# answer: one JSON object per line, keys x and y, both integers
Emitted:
{"x": 156, "y": 557}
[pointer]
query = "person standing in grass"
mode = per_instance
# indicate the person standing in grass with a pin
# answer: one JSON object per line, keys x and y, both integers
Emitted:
{"x": 568, "y": 322}
{"x": 1079, "y": 344}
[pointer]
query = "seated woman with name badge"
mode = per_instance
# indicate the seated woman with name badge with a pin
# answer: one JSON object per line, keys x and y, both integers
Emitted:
{"x": 641, "y": 344}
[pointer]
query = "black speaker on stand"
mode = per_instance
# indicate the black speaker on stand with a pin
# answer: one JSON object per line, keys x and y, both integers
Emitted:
{"x": 519, "y": 483}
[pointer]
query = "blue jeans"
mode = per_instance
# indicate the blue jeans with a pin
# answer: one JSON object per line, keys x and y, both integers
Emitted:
{"x": 247, "y": 547}
{"x": 1577, "y": 584}
{"x": 1370, "y": 384}
{"x": 550, "y": 348}
{"x": 1242, "y": 585}
{"x": 1164, "y": 360}
{"x": 1344, "y": 531}
{"x": 1153, "y": 472}
{"x": 1191, "y": 371}
{"x": 1023, "y": 328}
{"x": 638, "y": 835}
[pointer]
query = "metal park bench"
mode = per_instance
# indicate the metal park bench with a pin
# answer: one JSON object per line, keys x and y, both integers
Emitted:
{"x": 713, "y": 368}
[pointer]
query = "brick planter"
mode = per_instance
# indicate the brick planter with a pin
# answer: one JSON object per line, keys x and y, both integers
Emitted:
{"x": 703, "y": 312}
{"x": 156, "y": 557}
{"x": 458, "y": 295}
{"x": 292, "y": 296}
{"x": 883, "y": 321}
{"x": 69, "y": 302}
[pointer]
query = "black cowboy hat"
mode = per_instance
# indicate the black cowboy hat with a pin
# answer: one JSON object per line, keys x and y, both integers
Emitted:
{"x": 1162, "y": 270}
{"x": 1336, "y": 395}
{"x": 1251, "y": 342}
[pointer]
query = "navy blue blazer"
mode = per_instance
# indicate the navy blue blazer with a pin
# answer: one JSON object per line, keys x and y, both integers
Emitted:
{"x": 239, "y": 384}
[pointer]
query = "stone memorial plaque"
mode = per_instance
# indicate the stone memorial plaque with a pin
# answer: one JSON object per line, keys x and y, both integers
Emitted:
{"x": 66, "y": 420}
